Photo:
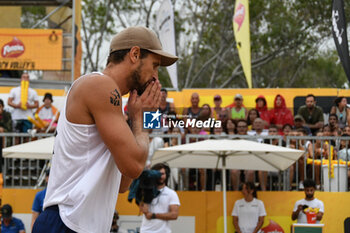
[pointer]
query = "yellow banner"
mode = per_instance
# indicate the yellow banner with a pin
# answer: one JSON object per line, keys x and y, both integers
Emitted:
{"x": 30, "y": 49}
{"x": 242, "y": 35}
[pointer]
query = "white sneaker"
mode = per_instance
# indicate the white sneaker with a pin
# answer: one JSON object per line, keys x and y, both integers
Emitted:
{"x": 301, "y": 185}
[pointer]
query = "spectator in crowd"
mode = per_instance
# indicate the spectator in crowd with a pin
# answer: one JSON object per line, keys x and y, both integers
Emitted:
{"x": 261, "y": 106}
{"x": 194, "y": 110}
{"x": 237, "y": 109}
{"x": 312, "y": 114}
{"x": 229, "y": 127}
{"x": 5, "y": 119}
{"x": 249, "y": 212}
{"x": 163, "y": 208}
{"x": 165, "y": 107}
{"x": 346, "y": 130}
{"x": 205, "y": 113}
{"x": 219, "y": 131}
{"x": 333, "y": 124}
{"x": 115, "y": 228}
{"x": 342, "y": 111}
{"x": 299, "y": 123}
{"x": 47, "y": 112}
{"x": 286, "y": 129}
{"x": 258, "y": 126}
{"x": 155, "y": 143}
{"x": 22, "y": 111}
{"x": 309, "y": 201}
{"x": 321, "y": 150}
{"x": 242, "y": 129}
{"x": 38, "y": 203}
{"x": 272, "y": 131}
{"x": 10, "y": 224}
{"x": 217, "y": 110}
{"x": 280, "y": 114}
{"x": 344, "y": 150}
{"x": 252, "y": 115}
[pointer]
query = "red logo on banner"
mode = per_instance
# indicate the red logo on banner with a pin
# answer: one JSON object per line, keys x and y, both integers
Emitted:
{"x": 273, "y": 227}
{"x": 239, "y": 15}
{"x": 14, "y": 48}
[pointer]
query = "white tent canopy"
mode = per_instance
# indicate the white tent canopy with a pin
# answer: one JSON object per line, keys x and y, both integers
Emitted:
{"x": 232, "y": 154}
{"x": 240, "y": 154}
{"x": 38, "y": 149}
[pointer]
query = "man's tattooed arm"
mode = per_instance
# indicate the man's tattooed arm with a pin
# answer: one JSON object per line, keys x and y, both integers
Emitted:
{"x": 115, "y": 98}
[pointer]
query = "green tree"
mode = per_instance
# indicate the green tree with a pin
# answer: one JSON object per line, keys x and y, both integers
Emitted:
{"x": 287, "y": 41}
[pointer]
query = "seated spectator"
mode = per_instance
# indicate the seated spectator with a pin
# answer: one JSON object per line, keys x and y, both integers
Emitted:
{"x": 194, "y": 110}
{"x": 237, "y": 109}
{"x": 286, "y": 129}
{"x": 205, "y": 113}
{"x": 280, "y": 114}
{"x": 299, "y": 123}
{"x": 258, "y": 126}
{"x": 229, "y": 127}
{"x": 312, "y": 114}
{"x": 346, "y": 130}
{"x": 321, "y": 150}
{"x": 342, "y": 111}
{"x": 333, "y": 125}
{"x": 344, "y": 149}
{"x": 22, "y": 110}
{"x": 261, "y": 106}
{"x": 242, "y": 129}
{"x": 5, "y": 119}
{"x": 154, "y": 144}
{"x": 165, "y": 107}
{"x": 273, "y": 131}
{"x": 10, "y": 224}
{"x": 47, "y": 113}
{"x": 252, "y": 115}
{"x": 217, "y": 110}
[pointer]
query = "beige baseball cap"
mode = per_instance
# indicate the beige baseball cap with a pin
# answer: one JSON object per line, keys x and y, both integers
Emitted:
{"x": 143, "y": 37}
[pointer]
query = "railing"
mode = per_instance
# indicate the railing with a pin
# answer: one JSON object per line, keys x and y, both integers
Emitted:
{"x": 19, "y": 172}
{"x": 26, "y": 172}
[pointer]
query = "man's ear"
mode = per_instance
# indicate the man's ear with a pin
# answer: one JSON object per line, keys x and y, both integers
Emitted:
{"x": 135, "y": 54}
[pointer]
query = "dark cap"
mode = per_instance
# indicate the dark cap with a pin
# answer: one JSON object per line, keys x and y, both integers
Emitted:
{"x": 48, "y": 96}
{"x": 298, "y": 117}
{"x": 6, "y": 211}
{"x": 47, "y": 172}
{"x": 144, "y": 38}
{"x": 217, "y": 97}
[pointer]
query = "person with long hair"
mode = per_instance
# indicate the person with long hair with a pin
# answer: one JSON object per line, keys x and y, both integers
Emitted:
{"x": 249, "y": 212}
{"x": 342, "y": 111}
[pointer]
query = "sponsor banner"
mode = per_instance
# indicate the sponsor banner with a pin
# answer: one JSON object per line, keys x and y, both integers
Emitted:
{"x": 242, "y": 36}
{"x": 30, "y": 49}
{"x": 340, "y": 34}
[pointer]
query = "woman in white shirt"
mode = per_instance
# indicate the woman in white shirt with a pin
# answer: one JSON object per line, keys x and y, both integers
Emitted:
{"x": 249, "y": 212}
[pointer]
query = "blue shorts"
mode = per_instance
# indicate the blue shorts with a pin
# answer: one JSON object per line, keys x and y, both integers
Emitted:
{"x": 49, "y": 221}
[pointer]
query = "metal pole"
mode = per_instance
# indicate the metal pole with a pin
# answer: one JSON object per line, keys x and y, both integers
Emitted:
{"x": 224, "y": 191}
{"x": 73, "y": 41}
{"x": 51, "y": 13}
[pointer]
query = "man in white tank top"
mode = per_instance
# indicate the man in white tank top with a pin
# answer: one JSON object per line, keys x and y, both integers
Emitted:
{"x": 96, "y": 153}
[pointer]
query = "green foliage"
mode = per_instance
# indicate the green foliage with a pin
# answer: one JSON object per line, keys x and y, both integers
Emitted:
{"x": 288, "y": 41}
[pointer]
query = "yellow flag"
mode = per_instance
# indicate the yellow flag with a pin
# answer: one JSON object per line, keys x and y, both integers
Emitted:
{"x": 242, "y": 35}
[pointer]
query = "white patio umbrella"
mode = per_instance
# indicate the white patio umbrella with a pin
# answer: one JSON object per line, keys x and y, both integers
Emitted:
{"x": 38, "y": 149}
{"x": 231, "y": 154}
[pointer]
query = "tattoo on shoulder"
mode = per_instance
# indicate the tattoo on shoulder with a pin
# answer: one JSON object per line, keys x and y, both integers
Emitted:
{"x": 115, "y": 98}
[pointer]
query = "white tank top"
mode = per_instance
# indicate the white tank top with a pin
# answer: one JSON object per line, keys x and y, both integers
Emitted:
{"x": 84, "y": 179}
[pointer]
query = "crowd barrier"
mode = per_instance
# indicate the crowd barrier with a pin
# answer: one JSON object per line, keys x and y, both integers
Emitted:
{"x": 332, "y": 173}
